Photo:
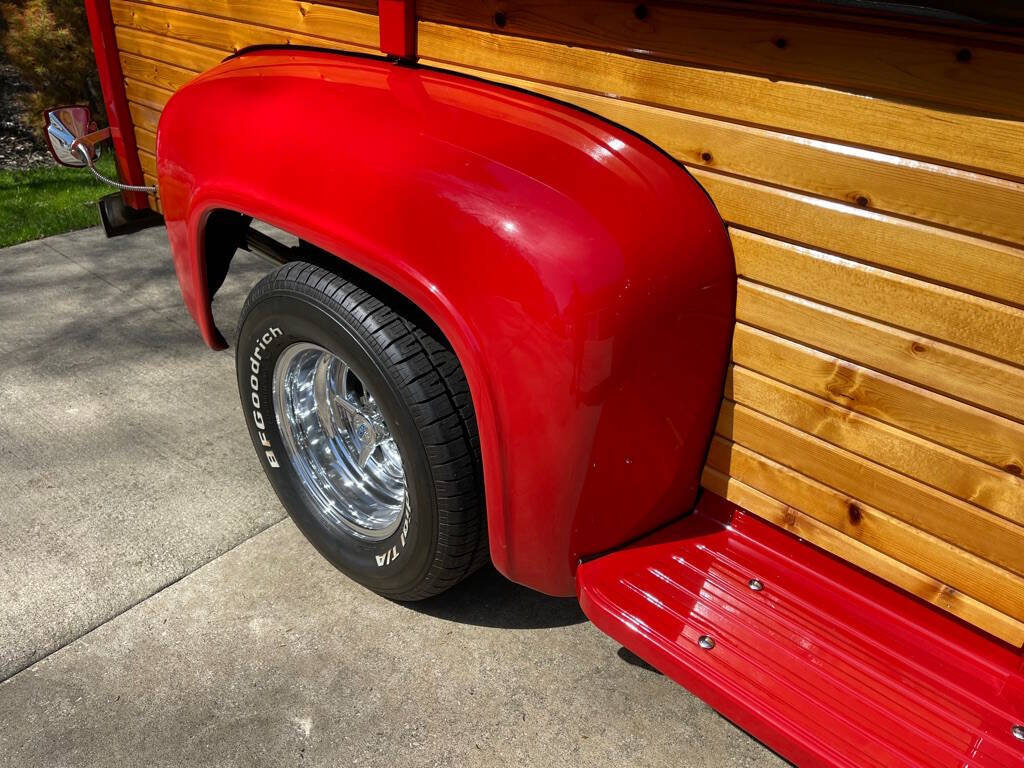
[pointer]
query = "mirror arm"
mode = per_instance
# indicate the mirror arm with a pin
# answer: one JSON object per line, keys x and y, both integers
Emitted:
{"x": 89, "y": 141}
{"x": 85, "y": 148}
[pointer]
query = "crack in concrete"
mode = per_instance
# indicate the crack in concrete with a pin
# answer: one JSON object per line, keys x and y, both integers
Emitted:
{"x": 130, "y": 607}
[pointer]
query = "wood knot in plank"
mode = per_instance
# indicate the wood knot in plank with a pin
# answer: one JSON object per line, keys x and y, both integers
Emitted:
{"x": 854, "y": 513}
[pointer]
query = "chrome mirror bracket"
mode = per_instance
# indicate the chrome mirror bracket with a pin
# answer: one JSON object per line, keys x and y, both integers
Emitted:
{"x": 74, "y": 142}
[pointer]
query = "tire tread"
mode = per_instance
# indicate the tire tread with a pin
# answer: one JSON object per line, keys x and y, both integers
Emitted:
{"x": 433, "y": 384}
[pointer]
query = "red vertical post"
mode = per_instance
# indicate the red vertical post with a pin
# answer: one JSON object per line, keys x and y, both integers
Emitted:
{"x": 122, "y": 131}
{"x": 397, "y": 27}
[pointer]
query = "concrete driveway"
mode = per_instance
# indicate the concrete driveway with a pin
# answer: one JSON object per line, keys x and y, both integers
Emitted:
{"x": 157, "y": 609}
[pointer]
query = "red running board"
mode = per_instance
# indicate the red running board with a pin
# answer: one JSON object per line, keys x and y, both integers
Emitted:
{"x": 825, "y": 664}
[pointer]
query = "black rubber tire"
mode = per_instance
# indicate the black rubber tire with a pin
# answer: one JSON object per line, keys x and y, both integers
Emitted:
{"x": 422, "y": 391}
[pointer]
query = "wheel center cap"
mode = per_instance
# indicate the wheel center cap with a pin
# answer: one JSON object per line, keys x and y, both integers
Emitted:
{"x": 335, "y": 437}
{"x": 362, "y": 430}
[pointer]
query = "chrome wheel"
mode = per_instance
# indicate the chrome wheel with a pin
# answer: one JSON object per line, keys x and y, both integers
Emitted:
{"x": 339, "y": 443}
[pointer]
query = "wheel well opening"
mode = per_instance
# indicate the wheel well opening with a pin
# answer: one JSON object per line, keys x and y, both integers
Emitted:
{"x": 226, "y": 231}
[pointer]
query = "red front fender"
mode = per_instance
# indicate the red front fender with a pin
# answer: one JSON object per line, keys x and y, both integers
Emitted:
{"x": 583, "y": 278}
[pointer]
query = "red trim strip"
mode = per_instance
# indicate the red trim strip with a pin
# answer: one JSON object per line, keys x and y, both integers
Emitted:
{"x": 122, "y": 131}
{"x": 398, "y": 28}
{"x": 823, "y": 662}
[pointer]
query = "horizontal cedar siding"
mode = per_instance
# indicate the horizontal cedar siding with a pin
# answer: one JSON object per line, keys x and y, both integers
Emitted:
{"x": 863, "y": 55}
{"x": 869, "y": 172}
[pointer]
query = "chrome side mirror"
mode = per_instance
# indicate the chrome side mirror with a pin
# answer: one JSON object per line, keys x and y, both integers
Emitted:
{"x": 75, "y": 142}
{"x": 72, "y": 134}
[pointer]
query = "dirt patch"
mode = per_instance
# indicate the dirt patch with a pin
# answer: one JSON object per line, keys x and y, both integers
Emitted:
{"x": 19, "y": 147}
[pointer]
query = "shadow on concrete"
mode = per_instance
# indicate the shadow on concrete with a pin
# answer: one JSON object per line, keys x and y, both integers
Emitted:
{"x": 488, "y": 599}
{"x": 631, "y": 658}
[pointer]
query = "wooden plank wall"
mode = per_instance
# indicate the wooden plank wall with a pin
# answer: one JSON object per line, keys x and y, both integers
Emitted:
{"x": 870, "y": 171}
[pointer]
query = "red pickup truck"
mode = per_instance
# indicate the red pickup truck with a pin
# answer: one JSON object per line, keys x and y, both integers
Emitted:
{"x": 707, "y": 313}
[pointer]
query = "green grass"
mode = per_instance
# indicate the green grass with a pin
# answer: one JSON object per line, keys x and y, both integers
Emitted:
{"x": 50, "y": 199}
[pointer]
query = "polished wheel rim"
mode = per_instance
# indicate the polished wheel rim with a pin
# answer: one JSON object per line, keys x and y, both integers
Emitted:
{"x": 339, "y": 443}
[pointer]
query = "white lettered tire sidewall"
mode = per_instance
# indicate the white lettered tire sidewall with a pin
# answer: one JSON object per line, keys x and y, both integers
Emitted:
{"x": 274, "y": 321}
